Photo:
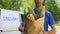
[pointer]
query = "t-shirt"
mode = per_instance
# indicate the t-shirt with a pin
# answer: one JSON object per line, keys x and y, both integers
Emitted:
{"x": 48, "y": 20}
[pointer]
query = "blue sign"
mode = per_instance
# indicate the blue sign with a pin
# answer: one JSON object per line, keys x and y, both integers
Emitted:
{"x": 9, "y": 18}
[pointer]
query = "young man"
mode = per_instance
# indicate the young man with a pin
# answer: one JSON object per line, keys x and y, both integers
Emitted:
{"x": 48, "y": 20}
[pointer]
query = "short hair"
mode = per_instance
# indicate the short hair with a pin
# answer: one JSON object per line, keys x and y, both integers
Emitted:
{"x": 44, "y": 3}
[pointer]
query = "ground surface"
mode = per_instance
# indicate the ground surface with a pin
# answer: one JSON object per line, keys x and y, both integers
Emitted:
{"x": 17, "y": 32}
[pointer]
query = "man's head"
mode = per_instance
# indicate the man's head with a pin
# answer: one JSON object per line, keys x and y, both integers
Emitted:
{"x": 39, "y": 2}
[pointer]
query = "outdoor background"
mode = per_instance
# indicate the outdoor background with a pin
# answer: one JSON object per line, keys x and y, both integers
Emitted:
{"x": 52, "y": 5}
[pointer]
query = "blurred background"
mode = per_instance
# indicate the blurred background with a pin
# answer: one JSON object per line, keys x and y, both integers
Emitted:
{"x": 52, "y": 5}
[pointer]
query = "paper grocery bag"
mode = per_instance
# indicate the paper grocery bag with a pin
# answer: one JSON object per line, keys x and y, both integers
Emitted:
{"x": 36, "y": 27}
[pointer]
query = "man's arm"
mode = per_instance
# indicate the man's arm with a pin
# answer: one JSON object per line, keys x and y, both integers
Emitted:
{"x": 21, "y": 27}
{"x": 53, "y": 28}
{"x": 52, "y": 31}
{"x": 51, "y": 22}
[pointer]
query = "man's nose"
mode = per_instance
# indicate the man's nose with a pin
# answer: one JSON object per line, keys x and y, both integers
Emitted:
{"x": 39, "y": 0}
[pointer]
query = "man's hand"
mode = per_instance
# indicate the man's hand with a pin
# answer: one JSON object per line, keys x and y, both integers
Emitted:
{"x": 21, "y": 27}
{"x": 45, "y": 32}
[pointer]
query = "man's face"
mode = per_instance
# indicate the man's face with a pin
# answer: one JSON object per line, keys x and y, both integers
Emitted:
{"x": 39, "y": 2}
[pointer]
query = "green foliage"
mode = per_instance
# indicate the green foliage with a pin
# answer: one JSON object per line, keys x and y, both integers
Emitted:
{"x": 10, "y": 4}
{"x": 15, "y": 4}
{"x": 53, "y": 8}
{"x": 27, "y": 3}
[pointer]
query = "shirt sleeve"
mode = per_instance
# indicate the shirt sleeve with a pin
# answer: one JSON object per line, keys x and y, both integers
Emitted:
{"x": 51, "y": 19}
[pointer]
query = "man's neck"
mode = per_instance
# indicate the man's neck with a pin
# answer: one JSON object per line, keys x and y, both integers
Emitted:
{"x": 37, "y": 7}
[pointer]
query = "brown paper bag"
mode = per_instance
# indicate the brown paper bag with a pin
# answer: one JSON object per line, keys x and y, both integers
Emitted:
{"x": 36, "y": 27}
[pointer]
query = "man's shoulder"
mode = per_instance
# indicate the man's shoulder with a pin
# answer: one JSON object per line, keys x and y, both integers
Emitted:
{"x": 47, "y": 12}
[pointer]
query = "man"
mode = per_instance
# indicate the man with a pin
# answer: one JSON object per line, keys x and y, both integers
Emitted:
{"x": 48, "y": 20}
